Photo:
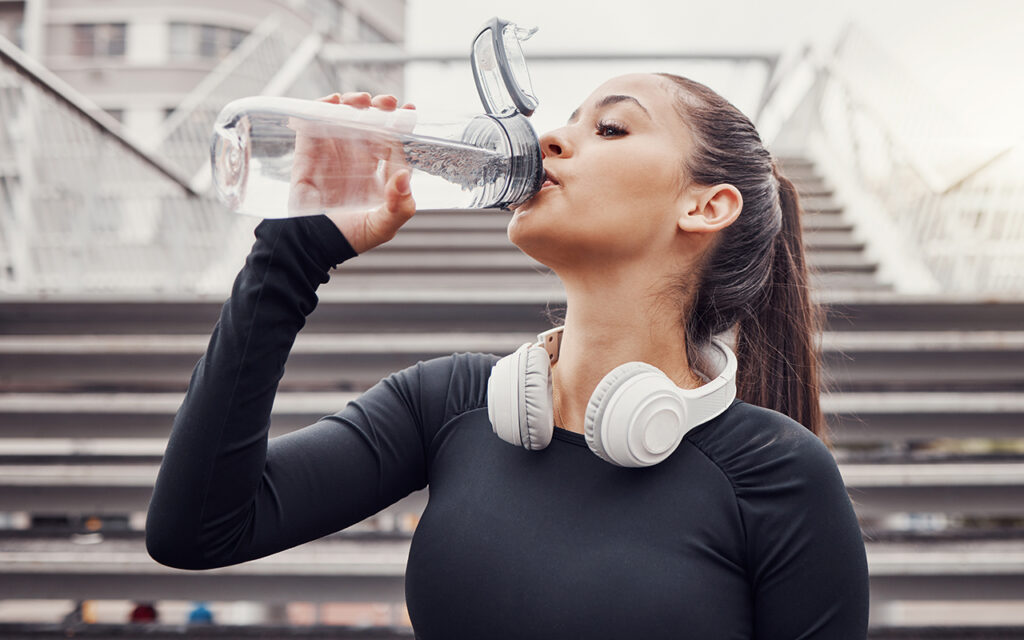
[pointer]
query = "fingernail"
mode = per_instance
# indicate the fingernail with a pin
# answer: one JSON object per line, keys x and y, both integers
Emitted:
{"x": 403, "y": 183}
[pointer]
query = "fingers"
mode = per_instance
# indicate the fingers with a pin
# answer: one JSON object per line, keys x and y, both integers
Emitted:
{"x": 362, "y": 99}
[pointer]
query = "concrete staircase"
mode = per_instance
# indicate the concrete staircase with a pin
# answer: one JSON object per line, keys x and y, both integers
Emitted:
{"x": 925, "y": 404}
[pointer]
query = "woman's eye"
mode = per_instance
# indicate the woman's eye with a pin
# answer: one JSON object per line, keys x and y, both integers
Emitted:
{"x": 610, "y": 130}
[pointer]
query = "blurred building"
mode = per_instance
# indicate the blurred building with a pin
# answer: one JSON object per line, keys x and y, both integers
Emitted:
{"x": 139, "y": 59}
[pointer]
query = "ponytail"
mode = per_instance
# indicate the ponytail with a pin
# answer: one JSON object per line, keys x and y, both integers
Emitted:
{"x": 777, "y": 345}
{"x": 755, "y": 281}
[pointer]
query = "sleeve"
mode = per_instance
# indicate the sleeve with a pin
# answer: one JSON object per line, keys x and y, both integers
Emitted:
{"x": 224, "y": 493}
{"x": 808, "y": 566}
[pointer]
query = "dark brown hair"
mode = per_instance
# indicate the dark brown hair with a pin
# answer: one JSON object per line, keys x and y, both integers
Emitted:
{"x": 755, "y": 278}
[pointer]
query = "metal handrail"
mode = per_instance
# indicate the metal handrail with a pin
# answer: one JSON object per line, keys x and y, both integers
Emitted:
{"x": 184, "y": 138}
{"x": 832, "y": 66}
{"x": 48, "y": 82}
{"x": 82, "y": 207}
{"x": 983, "y": 252}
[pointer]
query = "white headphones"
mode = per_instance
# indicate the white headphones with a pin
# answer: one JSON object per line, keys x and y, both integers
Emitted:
{"x": 636, "y": 416}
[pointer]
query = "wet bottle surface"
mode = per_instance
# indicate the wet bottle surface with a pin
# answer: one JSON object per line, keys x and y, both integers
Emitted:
{"x": 283, "y": 157}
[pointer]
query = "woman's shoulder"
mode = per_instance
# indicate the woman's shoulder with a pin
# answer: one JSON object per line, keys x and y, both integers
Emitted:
{"x": 458, "y": 381}
{"x": 460, "y": 368}
{"x": 756, "y": 447}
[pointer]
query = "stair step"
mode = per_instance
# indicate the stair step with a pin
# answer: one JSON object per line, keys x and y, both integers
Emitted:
{"x": 820, "y": 204}
{"x": 977, "y": 488}
{"x": 795, "y": 164}
{"x": 323, "y": 403}
{"x": 335, "y": 569}
{"x": 847, "y": 281}
{"x": 831, "y": 239}
{"x": 472, "y": 240}
{"x": 826, "y": 222}
{"x": 936, "y": 360}
{"x": 483, "y": 262}
{"x": 491, "y": 220}
{"x": 809, "y": 183}
{"x": 456, "y": 221}
{"x": 832, "y": 260}
{"x": 488, "y": 310}
{"x": 377, "y": 344}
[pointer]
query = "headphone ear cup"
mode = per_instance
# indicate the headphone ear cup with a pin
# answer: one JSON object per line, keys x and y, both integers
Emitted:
{"x": 519, "y": 398}
{"x": 599, "y": 403}
{"x": 635, "y": 417}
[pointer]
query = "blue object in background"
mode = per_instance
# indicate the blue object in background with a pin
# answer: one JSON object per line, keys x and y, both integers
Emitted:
{"x": 200, "y": 614}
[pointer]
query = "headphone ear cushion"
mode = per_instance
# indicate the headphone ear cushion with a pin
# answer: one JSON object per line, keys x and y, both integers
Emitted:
{"x": 598, "y": 405}
{"x": 519, "y": 398}
{"x": 536, "y": 416}
{"x": 502, "y": 398}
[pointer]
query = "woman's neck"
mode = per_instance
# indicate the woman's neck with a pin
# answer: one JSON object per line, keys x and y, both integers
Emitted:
{"x": 608, "y": 324}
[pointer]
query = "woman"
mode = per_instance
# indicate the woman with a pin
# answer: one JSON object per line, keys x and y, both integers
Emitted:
{"x": 668, "y": 222}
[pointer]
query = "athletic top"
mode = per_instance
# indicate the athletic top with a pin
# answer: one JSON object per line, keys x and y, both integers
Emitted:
{"x": 745, "y": 531}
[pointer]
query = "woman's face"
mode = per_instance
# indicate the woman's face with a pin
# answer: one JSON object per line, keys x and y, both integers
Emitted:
{"x": 616, "y": 168}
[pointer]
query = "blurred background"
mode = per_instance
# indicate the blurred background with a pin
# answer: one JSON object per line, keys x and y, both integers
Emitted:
{"x": 899, "y": 121}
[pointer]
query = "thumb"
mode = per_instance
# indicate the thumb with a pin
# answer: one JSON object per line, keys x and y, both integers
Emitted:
{"x": 399, "y": 203}
{"x": 398, "y": 207}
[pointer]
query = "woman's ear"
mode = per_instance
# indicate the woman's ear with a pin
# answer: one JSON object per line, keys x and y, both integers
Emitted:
{"x": 711, "y": 209}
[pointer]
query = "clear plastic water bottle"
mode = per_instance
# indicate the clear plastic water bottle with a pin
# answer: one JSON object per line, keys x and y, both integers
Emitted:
{"x": 284, "y": 157}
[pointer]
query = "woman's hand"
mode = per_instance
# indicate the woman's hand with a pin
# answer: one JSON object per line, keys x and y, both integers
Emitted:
{"x": 328, "y": 170}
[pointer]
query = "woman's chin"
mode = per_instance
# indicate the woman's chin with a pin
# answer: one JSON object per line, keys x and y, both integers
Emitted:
{"x": 537, "y": 238}
{"x": 518, "y": 226}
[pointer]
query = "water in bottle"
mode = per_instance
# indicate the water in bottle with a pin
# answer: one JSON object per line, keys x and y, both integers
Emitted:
{"x": 283, "y": 157}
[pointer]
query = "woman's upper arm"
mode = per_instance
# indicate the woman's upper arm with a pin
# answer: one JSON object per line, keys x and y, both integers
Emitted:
{"x": 807, "y": 560}
{"x": 350, "y": 465}
{"x": 263, "y": 496}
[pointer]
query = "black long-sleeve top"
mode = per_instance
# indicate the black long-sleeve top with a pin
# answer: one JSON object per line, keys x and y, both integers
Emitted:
{"x": 745, "y": 531}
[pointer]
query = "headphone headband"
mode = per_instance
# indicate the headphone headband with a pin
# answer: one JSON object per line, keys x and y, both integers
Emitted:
{"x": 716, "y": 395}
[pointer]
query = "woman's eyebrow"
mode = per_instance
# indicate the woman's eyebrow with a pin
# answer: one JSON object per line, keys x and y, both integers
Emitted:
{"x": 609, "y": 100}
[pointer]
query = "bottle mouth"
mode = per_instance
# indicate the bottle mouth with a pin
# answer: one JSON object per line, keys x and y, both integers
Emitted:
{"x": 229, "y": 162}
{"x": 526, "y": 175}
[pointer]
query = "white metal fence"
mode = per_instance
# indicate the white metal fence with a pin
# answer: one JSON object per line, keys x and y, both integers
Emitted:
{"x": 956, "y": 199}
{"x": 85, "y": 210}
{"x": 82, "y": 209}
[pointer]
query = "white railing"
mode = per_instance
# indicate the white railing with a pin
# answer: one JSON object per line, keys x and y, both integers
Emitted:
{"x": 185, "y": 136}
{"x": 955, "y": 200}
{"x": 86, "y": 210}
{"x": 83, "y": 208}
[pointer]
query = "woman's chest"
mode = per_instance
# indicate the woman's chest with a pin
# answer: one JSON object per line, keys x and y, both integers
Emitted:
{"x": 558, "y": 543}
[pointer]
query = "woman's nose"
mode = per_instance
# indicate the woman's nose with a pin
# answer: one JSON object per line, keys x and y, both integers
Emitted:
{"x": 553, "y": 143}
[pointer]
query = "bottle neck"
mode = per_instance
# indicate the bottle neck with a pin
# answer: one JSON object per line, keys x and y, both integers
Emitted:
{"x": 526, "y": 169}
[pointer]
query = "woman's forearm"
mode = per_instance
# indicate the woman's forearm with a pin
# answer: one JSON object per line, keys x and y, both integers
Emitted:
{"x": 214, "y": 464}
